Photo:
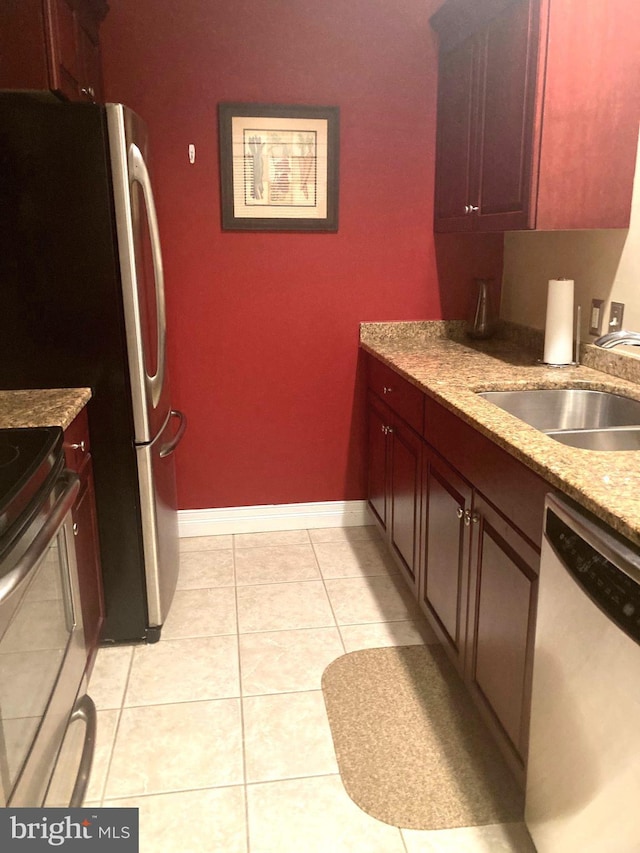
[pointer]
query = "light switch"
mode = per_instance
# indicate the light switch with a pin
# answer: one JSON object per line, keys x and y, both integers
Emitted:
{"x": 616, "y": 313}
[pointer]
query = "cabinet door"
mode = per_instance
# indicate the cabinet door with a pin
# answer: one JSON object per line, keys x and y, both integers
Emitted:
{"x": 509, "y": 49}
{"x": 65, "y": 68}
{"x": 589, "y": 135}
{"x": 379, "y": 419}
{"x": 90, "y": 60}
{"x": 73, "y": 49}
{"x": 405, "y": 465}
{"x": 503, "y": 595}
{"x": 455, "y": 140}
{"x": 52, "y": 44}
{"x": 23, "y": 52}
{"x": 445, "y": 575}
{"x": 85, "y": 529}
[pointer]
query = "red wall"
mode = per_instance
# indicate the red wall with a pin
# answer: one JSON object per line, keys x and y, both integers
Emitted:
{"x": 264, "y": 327}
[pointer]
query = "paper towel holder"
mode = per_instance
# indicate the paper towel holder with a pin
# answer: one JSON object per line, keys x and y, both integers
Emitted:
{"x": 576, "y": 361}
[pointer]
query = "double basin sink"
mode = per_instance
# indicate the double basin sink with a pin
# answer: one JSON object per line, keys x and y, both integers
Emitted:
{"x": 579, "y": 417}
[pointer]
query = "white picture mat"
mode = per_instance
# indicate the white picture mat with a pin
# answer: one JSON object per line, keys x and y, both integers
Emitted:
{"x": 292, "y": 172}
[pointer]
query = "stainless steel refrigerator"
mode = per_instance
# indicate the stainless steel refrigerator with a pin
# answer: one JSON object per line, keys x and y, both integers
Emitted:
{"x": 82, "y": 288}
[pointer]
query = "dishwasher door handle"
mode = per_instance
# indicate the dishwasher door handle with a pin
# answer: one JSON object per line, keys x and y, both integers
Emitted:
{"x": 36, "y": 550}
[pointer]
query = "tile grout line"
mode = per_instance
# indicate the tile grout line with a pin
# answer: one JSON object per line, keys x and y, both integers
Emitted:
{"x": 335, "y": 624}
{"x": 116, "y": 729}
{"x": 283, "y": 693}
{"x": 147, "y": 794}
{"x": 407, "y": 618}
{"x": 246, "y": 786}
{"x": 326, "y": 592}
{"x": 181, "y": 702}
{"x": 403, "y": 839}
{"x": 296, "y": 779}
{"x": 241, "y": 692}
{"x": 384, "y": 574}
{"x": 103, "y": 790}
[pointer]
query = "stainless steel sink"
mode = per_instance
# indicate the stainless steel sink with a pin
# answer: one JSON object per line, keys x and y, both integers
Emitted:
{"x": 579, "y": 417}
{"x": 567, "y": 408}
{"x": 622, "y": 438}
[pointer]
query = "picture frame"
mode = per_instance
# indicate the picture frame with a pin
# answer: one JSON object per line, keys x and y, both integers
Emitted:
{"x": 279, "y": 167}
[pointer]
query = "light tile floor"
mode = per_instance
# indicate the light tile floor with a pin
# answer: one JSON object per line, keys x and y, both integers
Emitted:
{"x": 219, "y": 734}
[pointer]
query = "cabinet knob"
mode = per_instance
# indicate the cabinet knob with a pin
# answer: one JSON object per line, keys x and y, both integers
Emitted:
{"x": 389, "y": 429}
{"x": 387, "y": 390}
{"x": 475, "y": 517}
{"x": 467, "y": 517}
{"x": 75, "y": 528}
{"x": 473, "y": 208}
{"x": 78, "y": 446}
{"x": 88, "y": 92}
{"x": 460, "y": 512}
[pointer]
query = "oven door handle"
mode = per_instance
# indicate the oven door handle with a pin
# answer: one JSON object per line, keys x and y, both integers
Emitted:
{"x": 36, "y": 550}
{"x": 85, "y": 711}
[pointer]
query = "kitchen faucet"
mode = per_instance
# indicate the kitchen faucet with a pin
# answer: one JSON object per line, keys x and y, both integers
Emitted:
{"x": 618, "y": 338}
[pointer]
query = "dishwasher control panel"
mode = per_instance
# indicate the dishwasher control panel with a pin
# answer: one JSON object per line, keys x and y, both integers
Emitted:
{"x": 615, "y": 593}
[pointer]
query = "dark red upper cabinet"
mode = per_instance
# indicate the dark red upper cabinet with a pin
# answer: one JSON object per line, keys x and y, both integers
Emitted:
{"x": 508, "y": 51}
{"x": 456, "y": 126}
{"x": 538, "y": 106}
{"x": 52, "y": 44}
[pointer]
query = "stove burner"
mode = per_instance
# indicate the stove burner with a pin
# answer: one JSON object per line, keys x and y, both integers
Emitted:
{"x": 8, "y": 454}
{"x": 29, "y": 458}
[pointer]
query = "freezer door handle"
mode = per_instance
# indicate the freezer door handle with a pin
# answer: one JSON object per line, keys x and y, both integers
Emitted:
{"x": 170, "y": 446}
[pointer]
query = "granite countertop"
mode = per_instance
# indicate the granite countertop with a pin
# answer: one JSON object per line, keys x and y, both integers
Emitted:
{"x": 48, "y": 407}
{"x": 438, "y": 359}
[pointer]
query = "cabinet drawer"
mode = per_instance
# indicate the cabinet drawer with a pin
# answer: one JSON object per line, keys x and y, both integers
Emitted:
{"x": 511, "y": 487}
{"x": 404, "y": 398}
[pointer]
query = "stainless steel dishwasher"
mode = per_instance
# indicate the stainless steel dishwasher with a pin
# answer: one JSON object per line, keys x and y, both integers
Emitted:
{"x": 583, "y": 777}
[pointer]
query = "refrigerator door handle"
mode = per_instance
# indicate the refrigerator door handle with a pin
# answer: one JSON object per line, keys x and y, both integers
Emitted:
{"x": 170, "y": 446}
{"x": 138, "y": 172}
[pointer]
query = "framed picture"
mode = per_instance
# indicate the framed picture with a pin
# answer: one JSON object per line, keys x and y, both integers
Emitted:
{"x": 279, "y": 167}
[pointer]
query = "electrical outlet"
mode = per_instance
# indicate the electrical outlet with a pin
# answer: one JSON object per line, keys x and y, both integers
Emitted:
{"x": 616, "y": 313}
{"x": 595, "y": 321}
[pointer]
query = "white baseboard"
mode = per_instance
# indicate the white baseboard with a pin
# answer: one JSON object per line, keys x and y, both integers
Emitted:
{"x": 258, "y": 519}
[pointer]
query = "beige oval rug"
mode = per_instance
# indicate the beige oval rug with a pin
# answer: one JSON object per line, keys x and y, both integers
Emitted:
{"x": 411, "y": 748}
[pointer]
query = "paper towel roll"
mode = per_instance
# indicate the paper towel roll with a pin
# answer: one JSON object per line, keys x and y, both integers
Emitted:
{"x": 558, "y": 332}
